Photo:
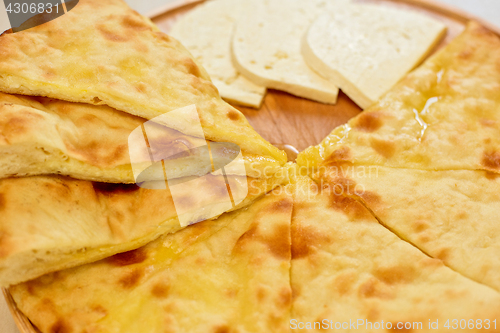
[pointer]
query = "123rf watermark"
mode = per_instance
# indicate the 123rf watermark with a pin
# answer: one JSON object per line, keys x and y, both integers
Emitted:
{"x": 19, "y": 15}
{"x": 450, "y": 324}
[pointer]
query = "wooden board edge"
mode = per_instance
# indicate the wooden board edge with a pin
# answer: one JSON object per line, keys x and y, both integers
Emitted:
{"x": 21, "y": 321}
{"x": 170, "y": 6}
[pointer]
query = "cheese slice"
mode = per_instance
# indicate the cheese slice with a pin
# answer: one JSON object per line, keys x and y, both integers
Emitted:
{"x": 442, "y": 116}
{"x": 366, "y": 49}
{"x": 206, "y": 32}
{"x": 48, "y": 136}
{"x": 349, "y": 273}
{"x": 227, "y": 275}
{"x": 266, "y": 48}
{"x": 104, "y": 53}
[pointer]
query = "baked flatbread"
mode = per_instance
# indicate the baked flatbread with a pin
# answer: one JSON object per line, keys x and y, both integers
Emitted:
{"x": 206, "y": 31}
{"x": 450, "y": 215}
{"x": 443, "y": 116}
{"x": 105, "y": 53}
{"x": 350, "y": 271}
{"x": 48, "y": 136}
{"x": 226, "y": 275}
{"x": 51, "y": 222}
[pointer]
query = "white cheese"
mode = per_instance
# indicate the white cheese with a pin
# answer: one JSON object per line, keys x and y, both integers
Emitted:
{"x": 366, "y": 49}
{"x": 267, "y": 43}
{"x": 206, "y": 32}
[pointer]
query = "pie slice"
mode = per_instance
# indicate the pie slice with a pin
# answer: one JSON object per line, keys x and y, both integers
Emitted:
{"x": 445, "y": 115}
{"x": 450, "y": 215}
{"x": 104, "y": 53}
{"x": 48, "y": 136}
{"x": 349, "y": 273}
{"x": 206, "y": 31}
{"x": 226, "y": 275}
{"x": 51, "y": 223}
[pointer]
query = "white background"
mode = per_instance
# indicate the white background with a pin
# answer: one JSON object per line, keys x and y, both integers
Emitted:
{"x": 487, "y": 9}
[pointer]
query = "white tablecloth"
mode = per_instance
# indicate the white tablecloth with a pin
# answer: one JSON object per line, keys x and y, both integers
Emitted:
{"x": 487, "y": 9}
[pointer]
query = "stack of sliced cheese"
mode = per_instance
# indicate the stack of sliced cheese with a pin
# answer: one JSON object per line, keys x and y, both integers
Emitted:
{"x": 306, "y": 48}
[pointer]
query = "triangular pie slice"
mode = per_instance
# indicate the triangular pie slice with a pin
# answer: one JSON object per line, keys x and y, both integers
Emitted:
{"x": 351, "y": 274}
{"x": 51, "y": 223}
{"x": 49, "y": 136}
{"x": 226, "y": 275}
{"x": 444, "y": 115}
{"x": 106, "y": 53}
{"x": 450, "y": 215}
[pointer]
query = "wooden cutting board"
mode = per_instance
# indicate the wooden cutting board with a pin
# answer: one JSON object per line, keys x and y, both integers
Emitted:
{"x": 284, "y": 119}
